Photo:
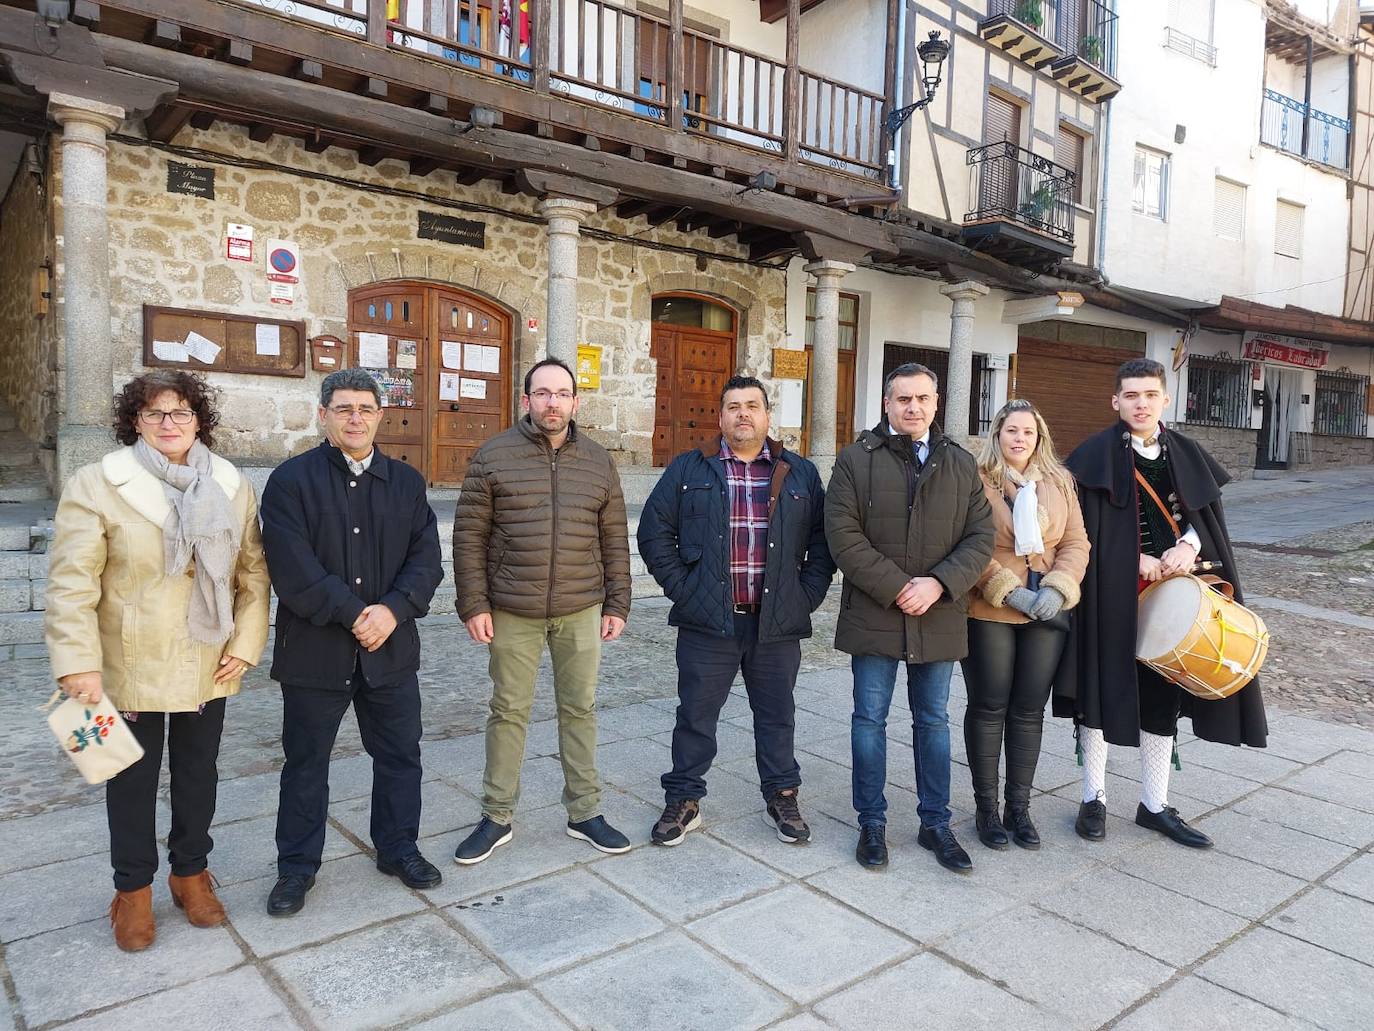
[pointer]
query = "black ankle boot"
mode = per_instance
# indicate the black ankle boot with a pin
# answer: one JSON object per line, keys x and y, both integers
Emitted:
{"x": 1020, "y": 826}
{"x": 990, "y": 830}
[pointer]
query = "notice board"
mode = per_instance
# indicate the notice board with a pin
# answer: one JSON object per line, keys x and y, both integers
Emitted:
{"x": 246, "y": 342}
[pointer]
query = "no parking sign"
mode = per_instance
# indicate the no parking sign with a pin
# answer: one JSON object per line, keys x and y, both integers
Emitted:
{"x": 283, "y": 262}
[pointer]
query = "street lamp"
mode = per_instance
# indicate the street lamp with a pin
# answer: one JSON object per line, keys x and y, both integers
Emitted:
{"x": 932, "y": 53}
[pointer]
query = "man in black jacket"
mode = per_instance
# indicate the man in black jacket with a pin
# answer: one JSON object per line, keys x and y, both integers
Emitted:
{"x": 353, "y": 549}
{"x": 735, "y": 534}
{"x": 1111, "y": 697}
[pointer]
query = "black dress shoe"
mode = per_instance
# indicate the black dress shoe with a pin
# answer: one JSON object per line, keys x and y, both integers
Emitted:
{"x": 948, "y": 852}
{"x": 990, "y": 830}
{"x": 1091, "y": 824}
{"x": 287, "y": 897}
{"x": 872, "y": 848}
{"x": 1171, "y": 825}
{"x": 414, "y": 870}
{"x": 1021, "y": 827}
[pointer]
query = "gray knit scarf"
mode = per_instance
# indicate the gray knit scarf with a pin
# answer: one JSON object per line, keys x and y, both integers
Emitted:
{"x": 201, "y": 527}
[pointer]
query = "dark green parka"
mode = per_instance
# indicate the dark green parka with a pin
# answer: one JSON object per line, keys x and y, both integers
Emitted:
{"x": 886, "y": 522}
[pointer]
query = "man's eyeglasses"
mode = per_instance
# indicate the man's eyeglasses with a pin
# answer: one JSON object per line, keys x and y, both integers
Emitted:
{"x": 154, "y": 417}
{"x": 545, "y": 396}
{"x": 347, "y": 412}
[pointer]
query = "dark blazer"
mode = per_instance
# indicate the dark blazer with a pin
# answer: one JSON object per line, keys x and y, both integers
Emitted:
{"x": 314, "y": 558}
{"x": 684, "y": 538}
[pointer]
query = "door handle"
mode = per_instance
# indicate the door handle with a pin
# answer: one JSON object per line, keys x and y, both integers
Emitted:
{"x": 691, "y": 424}
{"x": 453, "y": 406}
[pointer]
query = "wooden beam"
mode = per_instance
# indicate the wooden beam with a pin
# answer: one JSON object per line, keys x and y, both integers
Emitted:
{"x": 315, "y": 144}
{"x": 471, "y": 176}
{"x": 634, "y": 208}
{"x": 542, "y": 16}
{"x": 663, "y": 214}
{"x": 310, "y": 71}
{"x": 791, "y": 86}
{"x": 376, "y": 88}
{"x": 677, "y": 76}
{"x": 239, "y": 52}
{"x": 591, "y": 143}
{"x": 421, "y": 167}
{"x": 86, "y": 14}
{"x": 435, "y": 103}
{"x": 722, "y": 228}
{"x": 637, "y": 153}
{"x": 165, "y": 34}
{"x": 202, "y": 120}
{"x": 891, "y": 47}
{"x": 261, "y": 132}
{"x": 370, "y": 155}
{"x": 772, "y": 247}
{"x": 754, "y": 234}
{"x": 166, "y": 122}
{"x": 376, "y": 24}
{"x": 542, "y": 183}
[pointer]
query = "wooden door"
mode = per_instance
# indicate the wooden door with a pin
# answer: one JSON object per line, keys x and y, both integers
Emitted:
{"x": 472, "y": 351}
{"x": 997, "y": 181}
{"x": 1071, "y": 384}
{"x": 693, "y": 365}
{"x": 393, "y": 316}
{"x": 844, "y": 404}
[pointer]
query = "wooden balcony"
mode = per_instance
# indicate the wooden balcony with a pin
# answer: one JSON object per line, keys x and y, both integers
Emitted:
{"x": 1073, "y": 40}
{"x": 1022, "y": 205}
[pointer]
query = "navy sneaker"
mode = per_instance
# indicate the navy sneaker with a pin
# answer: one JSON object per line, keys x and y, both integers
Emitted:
{"x": 601, "y": 834}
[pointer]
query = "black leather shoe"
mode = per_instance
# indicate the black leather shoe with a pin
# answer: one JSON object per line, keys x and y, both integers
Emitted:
{"x": 415, "y": 871}
{"x": 990, "y": 830}
{"x": 872, "y": 848}
{"x": 1171, "y": 825}
{"x": 602, "y": 836}
{"x": 1019, "y": 825}
{"x": 1091, "y": 824}
{"x": 288, "y": 894}
{"x": 485, "y": 839}
{"x": 948, "y": 852}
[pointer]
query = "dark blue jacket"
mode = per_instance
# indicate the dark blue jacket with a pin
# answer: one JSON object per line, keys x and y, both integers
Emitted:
{"x": 310, "y": 508}
{"x": 684, "y": 538}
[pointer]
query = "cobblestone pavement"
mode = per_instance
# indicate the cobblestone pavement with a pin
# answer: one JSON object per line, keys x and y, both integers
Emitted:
{"x": 1272, "y": 929}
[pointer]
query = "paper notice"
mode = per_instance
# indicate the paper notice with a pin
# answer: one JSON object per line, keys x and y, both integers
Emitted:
{"x": 453, "y": 354}
{"x": 448, "y": 386}
{"x": 268, "y": 339}
{"x": 407, "y": 354}
{"x": 170, "y": 351}
{"x": 202, "y": 349}
{"x": 472, "y": 357}
{"x": 491, "y": 360}
{"x": 372, "y": 351}
{"x": 473, "y": 388}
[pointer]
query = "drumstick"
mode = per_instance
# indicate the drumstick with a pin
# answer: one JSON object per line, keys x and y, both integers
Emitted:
{"x": 1203, "y": 567}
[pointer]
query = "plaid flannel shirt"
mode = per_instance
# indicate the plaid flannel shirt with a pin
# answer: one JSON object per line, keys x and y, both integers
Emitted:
{"x": 747, "y": 483}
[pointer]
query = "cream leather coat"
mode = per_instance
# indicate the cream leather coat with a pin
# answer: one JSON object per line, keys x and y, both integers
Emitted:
{"x": 109, "y": 606}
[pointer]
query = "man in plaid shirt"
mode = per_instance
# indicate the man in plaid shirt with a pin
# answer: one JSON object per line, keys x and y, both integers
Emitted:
{"x": 735, "y": 533}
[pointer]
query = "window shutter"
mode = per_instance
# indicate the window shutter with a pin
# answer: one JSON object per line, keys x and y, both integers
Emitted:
{"x": 1068, "y": 151}
{"x": 1288, "y": 229}
{"x": 1192, "y": 17}
{"x": 1003, "y": 121}
{"x": 1228, "y": 211}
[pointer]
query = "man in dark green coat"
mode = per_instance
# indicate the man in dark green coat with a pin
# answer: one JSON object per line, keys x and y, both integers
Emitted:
{"x": 911, "y": 530}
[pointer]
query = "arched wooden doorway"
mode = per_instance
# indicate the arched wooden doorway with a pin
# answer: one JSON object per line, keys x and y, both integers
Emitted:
{"x": 447, "y": 374}
{"x": 693, "y": 342}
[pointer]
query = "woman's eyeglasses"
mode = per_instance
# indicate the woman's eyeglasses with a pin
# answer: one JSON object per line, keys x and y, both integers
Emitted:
{"x": 154, "y": 417}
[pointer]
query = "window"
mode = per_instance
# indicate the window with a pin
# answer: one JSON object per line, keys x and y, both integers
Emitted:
{"x": 1150, "y": 189}
{"x": 1288, "y": 226}
{"x": 1340, "y": 408}
{"x": 1228, "y": 210}
{"x": 1218, "y": 392}
{"x": 1068, "y": 151}
{"x": 1189, "y": 29}
{"x": 849, "y": 319}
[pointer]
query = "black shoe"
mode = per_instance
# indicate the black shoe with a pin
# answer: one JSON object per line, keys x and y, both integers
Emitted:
{"x": 1018, "y": 822}
{"x": 872, "y": 848}
{"x": 288, "y": 894}
{"x": 1171, "y": 825}
{"x": 1091, "y": 824}
{"x": 485, "y": 839}
{"x": 948, "y": 852}
{"x": 990, "y": 830}
{"x": 601, "y": 834}
{"x": 415, "y": 871}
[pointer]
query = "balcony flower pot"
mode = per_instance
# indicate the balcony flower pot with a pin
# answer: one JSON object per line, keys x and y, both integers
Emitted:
{"x": 1038, "y": 206}
{"x": 1028, "y": 13}
{"x": 1090, "y": 49}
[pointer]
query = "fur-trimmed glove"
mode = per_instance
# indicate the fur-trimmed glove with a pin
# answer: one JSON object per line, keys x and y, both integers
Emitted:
{"x": 1047, "y": 604}
{"x": 1022, "y": 600}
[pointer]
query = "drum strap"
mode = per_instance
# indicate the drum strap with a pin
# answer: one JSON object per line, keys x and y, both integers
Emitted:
{"x": 1173, "y": 523}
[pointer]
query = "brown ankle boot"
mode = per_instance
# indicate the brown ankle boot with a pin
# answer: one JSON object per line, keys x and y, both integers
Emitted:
{"x": 196, "y": 895}
{"x": 131, "y": 916}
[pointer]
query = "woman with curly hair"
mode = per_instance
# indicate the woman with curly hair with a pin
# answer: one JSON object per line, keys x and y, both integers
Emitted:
{"x": 1038, "y": 561}
{"x": 158, "y": 598}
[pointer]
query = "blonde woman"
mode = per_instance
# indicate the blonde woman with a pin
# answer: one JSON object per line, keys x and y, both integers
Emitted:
{"x": 157, "y": 597}
{"x": 1017, "y": 615}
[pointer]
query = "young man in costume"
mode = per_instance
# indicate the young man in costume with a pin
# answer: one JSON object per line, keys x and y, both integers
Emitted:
{"x": 1112, "y": 698}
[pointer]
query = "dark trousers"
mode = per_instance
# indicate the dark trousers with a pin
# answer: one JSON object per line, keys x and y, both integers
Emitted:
{"x": 1008, "y": 674}
{"x": 706, "y": 667}
{"x": 389, "y": 723}
{"x": 131, "y": 796}
{"x": 1160, "y": 700}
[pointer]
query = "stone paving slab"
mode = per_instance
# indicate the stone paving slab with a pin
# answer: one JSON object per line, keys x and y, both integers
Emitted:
{"x": 240, "y": 999}
{"x": 1225, "y": 882}
{"x": 1334, "y": 921}
{"x": 1273, "y": 845}
{"x": 1192, "y": 1004}
{"x": 511, "y": 1011}
{"x": 1356, "y": 878}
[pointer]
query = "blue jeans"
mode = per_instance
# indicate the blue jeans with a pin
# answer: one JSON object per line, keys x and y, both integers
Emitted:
{"x": 927, "y": 688}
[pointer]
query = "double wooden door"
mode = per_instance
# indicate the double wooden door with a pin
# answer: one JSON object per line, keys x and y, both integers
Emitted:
{"x": 693, "y": 365}
{"x": 443, "y": 359}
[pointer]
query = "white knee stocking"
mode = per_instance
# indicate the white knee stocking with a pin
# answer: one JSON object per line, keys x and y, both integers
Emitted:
{"x": 1094, "y": 749}
{"x": 1155, "y": 754}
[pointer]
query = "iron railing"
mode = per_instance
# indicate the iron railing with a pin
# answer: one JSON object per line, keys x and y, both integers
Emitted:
{"x": 1340, "y": 408}
{"x": 1282, "y": 120}
{"x": 1218, "y": 392}
{"x": 1190, "y": 46}
{"x": 1041, "y": 16}
{"x": 344, "y": 15}
{"x": 1008, "y": 182}
{"x": 1087, "y": 30}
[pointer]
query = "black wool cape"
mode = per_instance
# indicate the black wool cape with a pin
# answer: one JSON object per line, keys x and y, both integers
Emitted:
{"x": 1096, "y": 682}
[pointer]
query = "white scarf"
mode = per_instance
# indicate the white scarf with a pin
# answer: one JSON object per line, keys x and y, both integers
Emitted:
{"x": 1025, "y": 516}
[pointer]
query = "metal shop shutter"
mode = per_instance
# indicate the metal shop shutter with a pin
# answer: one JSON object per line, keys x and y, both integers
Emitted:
{"x": 1228, "y": 210}
{"x": 1288, "y": 225}
{"x": 1071, "y": 384}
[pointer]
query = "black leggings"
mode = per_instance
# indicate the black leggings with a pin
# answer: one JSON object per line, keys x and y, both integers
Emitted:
{"x": 1008, "y": 673}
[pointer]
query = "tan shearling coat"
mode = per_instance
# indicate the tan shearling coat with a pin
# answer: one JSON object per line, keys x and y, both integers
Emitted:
{"x": 1062, "y": 564}
{"x": 109, "y": 606}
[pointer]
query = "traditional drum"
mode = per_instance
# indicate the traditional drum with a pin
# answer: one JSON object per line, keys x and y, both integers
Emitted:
{"x": 1193, "y": 634}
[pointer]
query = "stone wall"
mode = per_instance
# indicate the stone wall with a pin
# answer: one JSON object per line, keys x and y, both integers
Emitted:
{"x": 1233, "y": 448}
{"x": 1335, "y": 452}
{"x": 28, "y": 373}
{"x": 355, "y": 225}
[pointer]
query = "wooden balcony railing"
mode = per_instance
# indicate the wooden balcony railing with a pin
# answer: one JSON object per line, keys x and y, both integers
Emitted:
{"x": 841, "y": 126}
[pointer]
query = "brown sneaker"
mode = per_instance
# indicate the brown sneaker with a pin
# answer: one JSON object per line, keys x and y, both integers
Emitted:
{"x": 678, "y": 818}
{"x": 196, "y": 895}
{"x": 131, "y": 916}
{"x": 785, "y": 817}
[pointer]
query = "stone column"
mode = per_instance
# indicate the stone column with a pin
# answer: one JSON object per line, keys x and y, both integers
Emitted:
{"x": 565, "y": 218}
{"x": 956, "y": 390}
{"x": 824, "y": 374}
{"x": 84, "y": 431}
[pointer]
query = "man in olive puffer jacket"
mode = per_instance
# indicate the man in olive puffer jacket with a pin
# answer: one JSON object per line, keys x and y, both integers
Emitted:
{"x": 541, "y": 554}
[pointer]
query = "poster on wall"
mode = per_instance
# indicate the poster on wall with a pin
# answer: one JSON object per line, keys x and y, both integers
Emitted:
{"x": 372, "y": 351}
{"x": 281, "y": 293}
{"x": 407, "y": 354}
{"x": 283, "y": 262}
{"x": 398, "y": 387}
{"x": 238, "y": 244}
{"x": 448, "y": 386}
{"x": 453, "y": 354}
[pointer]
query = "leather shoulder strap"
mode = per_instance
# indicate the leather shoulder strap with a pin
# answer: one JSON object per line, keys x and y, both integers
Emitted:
{"x": 1173, "y": 523}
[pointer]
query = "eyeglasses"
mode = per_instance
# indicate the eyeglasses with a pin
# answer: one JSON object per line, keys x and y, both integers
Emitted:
{"x": 347, "y": 412}
{"x": 545, "y": 396}
{"x": 154, "y": 417}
